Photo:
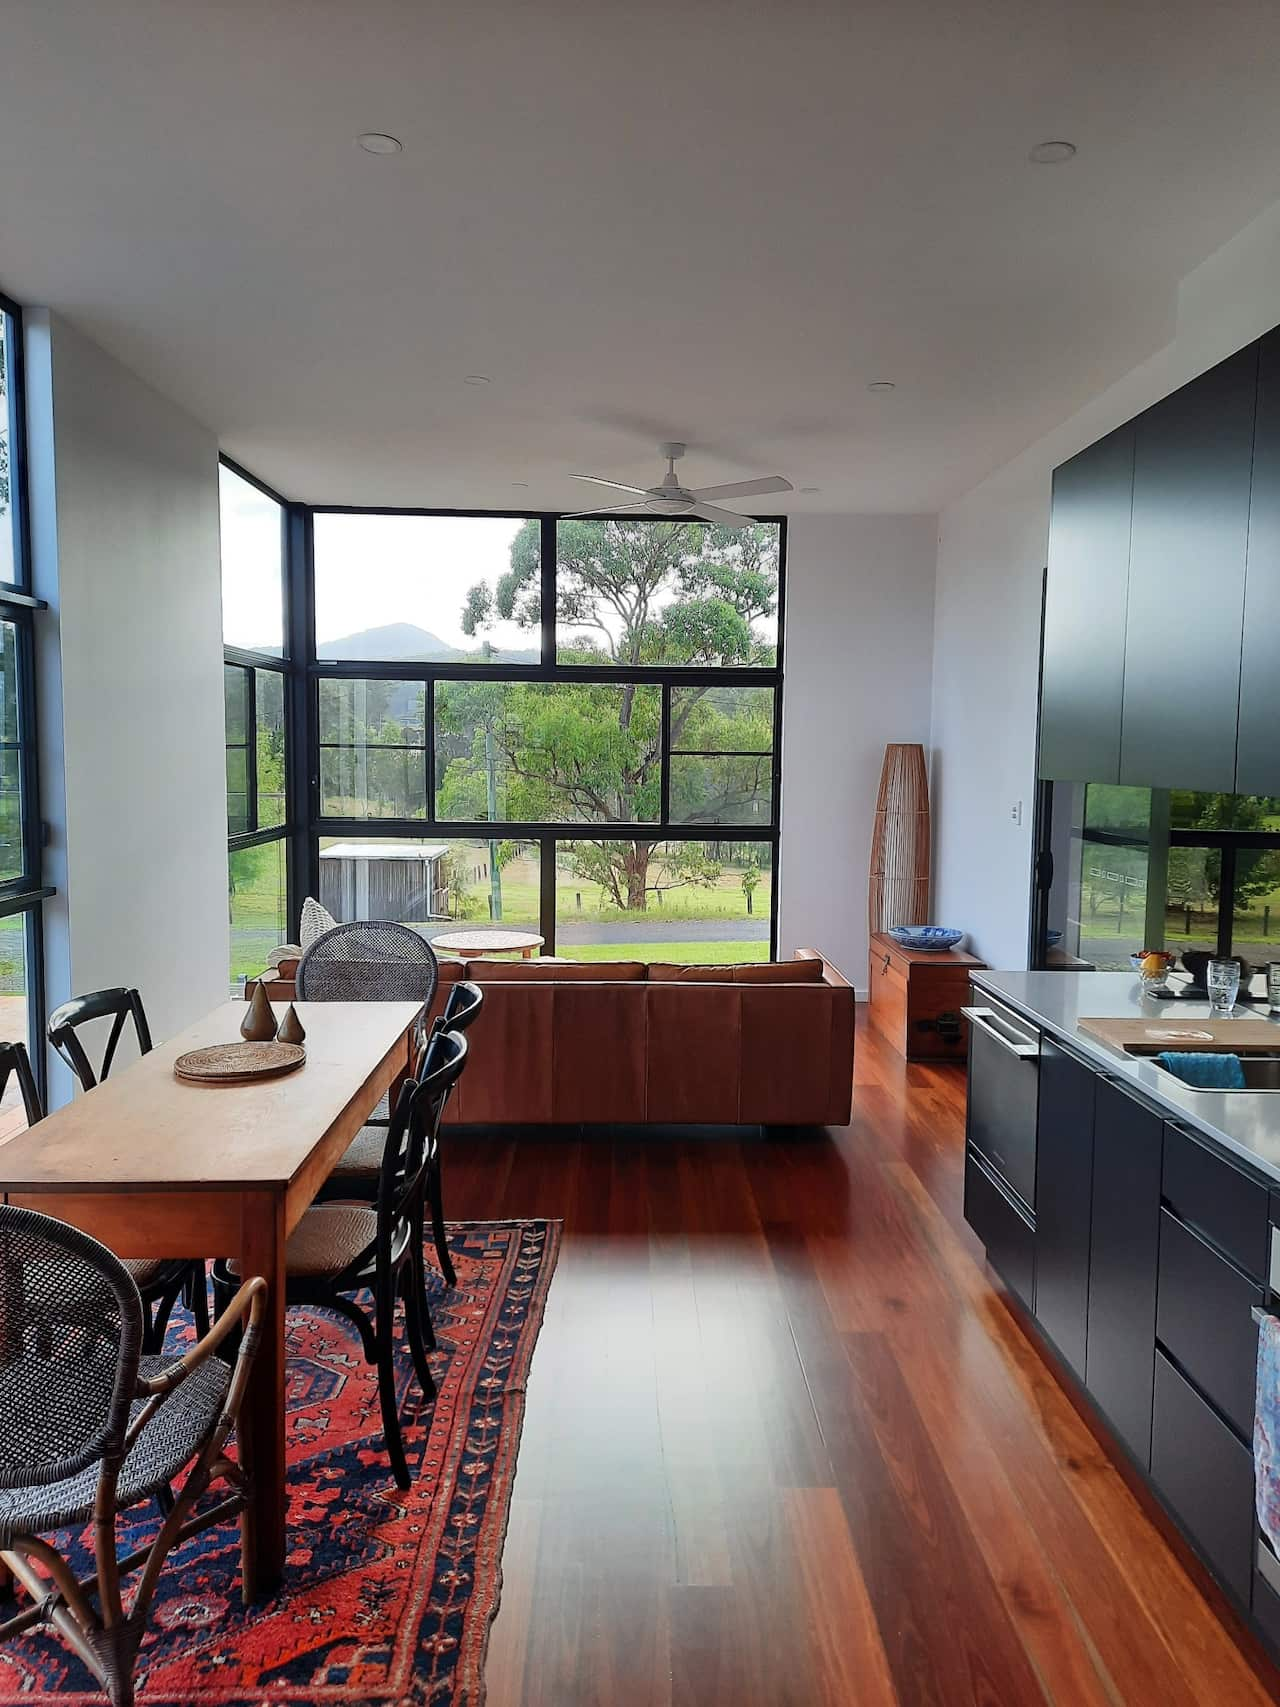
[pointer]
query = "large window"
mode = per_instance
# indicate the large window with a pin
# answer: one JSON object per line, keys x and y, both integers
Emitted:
{"x": 256, "y": 699}
{"x": 565, "y": 725}
{"x": 21, "y": 964}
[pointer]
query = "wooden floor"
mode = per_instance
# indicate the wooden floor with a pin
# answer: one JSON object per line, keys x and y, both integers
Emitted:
{"x": 785, "y": 1444}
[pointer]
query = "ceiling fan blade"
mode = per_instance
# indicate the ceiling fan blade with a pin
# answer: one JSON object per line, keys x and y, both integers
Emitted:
{"x": 610, "y": 510}
{"x": 744, "y": 488}
{"x": 722, "y": 518}
{"x": 618, "y": 485}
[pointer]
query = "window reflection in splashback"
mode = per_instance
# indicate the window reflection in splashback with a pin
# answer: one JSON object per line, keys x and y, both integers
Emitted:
{"x": 1137, "y": 868}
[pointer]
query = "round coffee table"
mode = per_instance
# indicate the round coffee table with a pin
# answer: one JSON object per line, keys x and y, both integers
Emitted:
{"x": 489, "y": 939}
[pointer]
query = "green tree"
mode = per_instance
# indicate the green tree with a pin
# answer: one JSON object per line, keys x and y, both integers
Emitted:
{"x": 639, "y": 593}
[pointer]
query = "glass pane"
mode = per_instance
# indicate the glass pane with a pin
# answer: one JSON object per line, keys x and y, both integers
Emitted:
{"x": 1255, "y": 931}
{"x": 258, "y": 901}
{"x": 433, "y": 885}
{"x": 8, "y": 497}
{"x": 441, "y": 589}
{"x": 238, "y": 823}
{"x": 372, "y": 749}
{"x": 721, "y": 720}
{"x": 722, "y": 790}
{"x": 1192, "y": 811}
{"x": 691, "y": 902}
{"x": 235, "y": 704}
{"x": 269, "y": 694}
{"x": 252, "y": 533}
{"x": 534, "y": 752}
{"x": 15, "y": 1025}
{"x": 640, "y": 592}
{"x": 12, "y": 863}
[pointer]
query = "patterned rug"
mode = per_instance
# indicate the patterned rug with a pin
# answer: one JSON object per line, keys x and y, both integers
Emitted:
{"x": 388, "y": 1596}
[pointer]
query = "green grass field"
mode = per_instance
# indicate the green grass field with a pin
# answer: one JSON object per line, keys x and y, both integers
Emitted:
{"x": 685, "y": 953}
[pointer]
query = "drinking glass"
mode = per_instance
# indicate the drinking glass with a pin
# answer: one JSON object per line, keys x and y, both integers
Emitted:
{"x": 1223, "y": 980}
{"x": 1273, "y": 985}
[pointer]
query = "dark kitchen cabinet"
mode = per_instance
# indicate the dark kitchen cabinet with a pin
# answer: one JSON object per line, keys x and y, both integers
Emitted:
{"x": 1084, "y": 615}
{"x": 1064, "y": 1195}
{"x": 1004, "y": 1227}
{"x": 1124, "y": 1255}
{"x": 1258, "y": 750}
{"x": 1193, "y": 456}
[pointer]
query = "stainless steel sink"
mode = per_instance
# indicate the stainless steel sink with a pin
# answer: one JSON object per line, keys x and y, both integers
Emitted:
{"x": 1261, "y": 1073}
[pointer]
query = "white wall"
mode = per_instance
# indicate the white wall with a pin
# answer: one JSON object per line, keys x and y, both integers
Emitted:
{"x": 859, "y": 621}
{"x": 125, "y": 549}
{"x": 991, "y": 555}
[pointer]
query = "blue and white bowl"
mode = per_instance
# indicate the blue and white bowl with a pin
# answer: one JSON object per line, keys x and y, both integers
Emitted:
{"x": 928, "y": 939}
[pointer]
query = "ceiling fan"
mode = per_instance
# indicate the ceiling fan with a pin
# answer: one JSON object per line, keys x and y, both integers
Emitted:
{"x": 670, "y": 498}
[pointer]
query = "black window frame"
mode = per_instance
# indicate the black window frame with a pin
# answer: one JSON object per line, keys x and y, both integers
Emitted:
{"x": 548, "y": 670}
{"x": 23, "y": 895}
{"x": 292, "y": 830}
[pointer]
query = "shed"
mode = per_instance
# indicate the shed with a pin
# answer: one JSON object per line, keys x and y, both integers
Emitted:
{"x": 406, "y": 883}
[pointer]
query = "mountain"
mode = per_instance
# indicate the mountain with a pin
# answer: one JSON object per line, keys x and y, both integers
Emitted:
{"x": 403, "y": 642}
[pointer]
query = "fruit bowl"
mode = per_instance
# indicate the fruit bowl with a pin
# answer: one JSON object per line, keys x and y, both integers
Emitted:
{"x": 926, "y": 939}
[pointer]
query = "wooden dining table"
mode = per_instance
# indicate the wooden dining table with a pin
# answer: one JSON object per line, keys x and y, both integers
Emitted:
{"x": 156, "y": 1166}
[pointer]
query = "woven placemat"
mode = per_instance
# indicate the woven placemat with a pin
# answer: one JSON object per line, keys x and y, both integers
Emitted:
{"x": 239, "y": 1063}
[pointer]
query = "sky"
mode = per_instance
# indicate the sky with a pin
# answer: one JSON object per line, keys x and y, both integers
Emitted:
{"x": 370, "y": 571}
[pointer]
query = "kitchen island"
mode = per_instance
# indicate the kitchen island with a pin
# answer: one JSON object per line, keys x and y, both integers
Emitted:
{"x": 1132, "y": 1217}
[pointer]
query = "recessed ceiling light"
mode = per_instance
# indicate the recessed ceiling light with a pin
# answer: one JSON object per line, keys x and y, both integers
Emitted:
{"x": 378, "y": 142}
{"x": 811, "y": 488}
{"x": 1053, "y": 153}
{"x": 881, "y": 386}
{"x": 476, "y": 379}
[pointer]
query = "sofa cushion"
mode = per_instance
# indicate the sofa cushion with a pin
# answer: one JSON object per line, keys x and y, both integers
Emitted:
{"x": 748, "y": 972}
{"x": 556, "y": 971}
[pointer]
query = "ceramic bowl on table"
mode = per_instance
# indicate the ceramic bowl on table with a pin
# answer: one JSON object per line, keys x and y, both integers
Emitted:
{"x": 926, "y": 939}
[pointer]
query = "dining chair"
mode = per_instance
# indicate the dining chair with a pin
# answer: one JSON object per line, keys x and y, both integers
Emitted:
{"x": 159, "y": 1279}
{"x": 338, "y": 1251}
{"x": 356, "y": 1171}
{"x": 369, "y": 960}
{"x": 15, "y": 1063}
{"x": 89, "y": 1426}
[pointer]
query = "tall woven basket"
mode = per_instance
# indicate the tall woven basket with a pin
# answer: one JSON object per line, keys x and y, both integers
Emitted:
{"x": 898, "y": 892}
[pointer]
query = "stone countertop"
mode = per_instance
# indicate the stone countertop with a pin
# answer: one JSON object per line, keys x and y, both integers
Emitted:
{"x": 1247, "y": 1123}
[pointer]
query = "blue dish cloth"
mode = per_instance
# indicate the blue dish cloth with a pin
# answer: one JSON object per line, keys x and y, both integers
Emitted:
{"x": 1204, "y": 1070}
{"x": 1266, "y": 1430}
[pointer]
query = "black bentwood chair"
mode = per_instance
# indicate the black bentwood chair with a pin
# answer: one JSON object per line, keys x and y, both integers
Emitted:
{"x": 159, "y": 1279}
{"x": 89, "y": 1427}
{"x": 342, "y": 1248}
{"x": 356, "y": 1172}
{"x": 15, "y": 1063}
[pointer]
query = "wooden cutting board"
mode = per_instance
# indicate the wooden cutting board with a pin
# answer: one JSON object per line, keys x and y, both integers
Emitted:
{"x": 1152, "y": 1036}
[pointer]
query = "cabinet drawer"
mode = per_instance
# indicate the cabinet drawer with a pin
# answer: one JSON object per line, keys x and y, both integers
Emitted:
{"x": 1206, "y": 1476}
{"x": 1009, "y": 1237}
{"x": 1217, "y": 1199}
{"x": 1203, "y": 1320}
{"x": 1266, "y": 1594}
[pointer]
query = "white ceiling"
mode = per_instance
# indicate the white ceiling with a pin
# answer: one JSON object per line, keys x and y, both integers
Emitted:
{"x": 709, "y": 221}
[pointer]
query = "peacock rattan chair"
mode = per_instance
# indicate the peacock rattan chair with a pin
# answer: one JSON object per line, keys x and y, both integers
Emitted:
{"x": 160, "y": 1280}
{"x": 90, "y": 1427}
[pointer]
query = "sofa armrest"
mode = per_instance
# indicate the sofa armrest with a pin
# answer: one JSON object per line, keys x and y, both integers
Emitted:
{"x": 831, "y": 974}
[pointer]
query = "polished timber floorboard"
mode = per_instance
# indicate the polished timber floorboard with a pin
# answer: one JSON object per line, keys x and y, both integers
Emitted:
{"x": 786, "y": 1445}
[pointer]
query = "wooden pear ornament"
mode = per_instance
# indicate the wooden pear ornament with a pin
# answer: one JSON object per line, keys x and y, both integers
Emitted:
{"x": 259, "y": 1024}
{"x": 291, "y": 1027}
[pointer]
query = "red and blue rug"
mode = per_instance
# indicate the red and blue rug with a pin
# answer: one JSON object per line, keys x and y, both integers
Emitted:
{"x": 388, "y": 1596}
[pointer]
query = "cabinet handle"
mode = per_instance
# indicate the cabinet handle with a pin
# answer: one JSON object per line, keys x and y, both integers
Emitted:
{"x": 987, "y": 1020}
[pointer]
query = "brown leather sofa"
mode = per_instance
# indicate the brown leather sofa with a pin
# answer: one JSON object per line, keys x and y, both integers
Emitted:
{"x": 580, "y": 1041}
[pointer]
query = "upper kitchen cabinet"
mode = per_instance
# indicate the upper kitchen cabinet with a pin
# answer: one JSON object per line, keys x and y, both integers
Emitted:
{"x": 1258, "y": 752}
{"x": 1084, "y": 618}
{"x": 1192, "y": 462}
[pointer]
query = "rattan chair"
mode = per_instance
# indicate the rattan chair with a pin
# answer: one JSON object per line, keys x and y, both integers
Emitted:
{"x": 89, "y": 1427}
{"x": 356, "y": 1173}
{"x": 160, "y": 1280}
{"x": 369, "y": 961}
{"x": 339, "y": 1249}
